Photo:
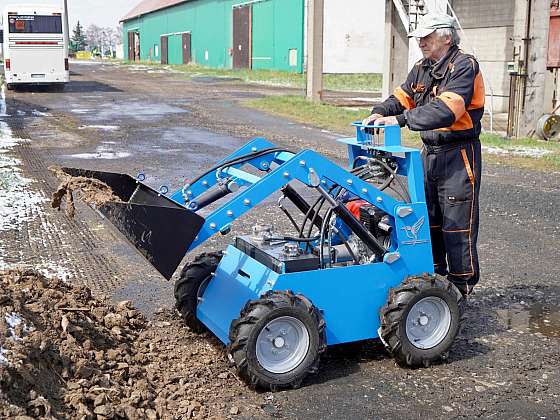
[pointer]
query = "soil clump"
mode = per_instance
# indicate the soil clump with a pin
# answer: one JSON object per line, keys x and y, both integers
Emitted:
{"x": 90, "y": 190}
{"x": 67, "y": 355}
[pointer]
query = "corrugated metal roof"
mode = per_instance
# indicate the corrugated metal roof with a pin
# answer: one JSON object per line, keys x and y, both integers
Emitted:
{"x": 148, "y": 6}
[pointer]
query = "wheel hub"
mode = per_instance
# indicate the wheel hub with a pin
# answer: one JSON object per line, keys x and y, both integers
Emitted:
{"x": 278, "y": 342}
{"x": 282, "y": 344}
{"x": 428, "y": 322}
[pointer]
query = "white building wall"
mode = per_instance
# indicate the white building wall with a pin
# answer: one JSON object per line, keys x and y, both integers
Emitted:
{"x": 354, "y": 35}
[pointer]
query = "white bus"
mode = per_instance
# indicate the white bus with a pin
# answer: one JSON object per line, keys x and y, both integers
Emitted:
{"x": 35, "y": 46}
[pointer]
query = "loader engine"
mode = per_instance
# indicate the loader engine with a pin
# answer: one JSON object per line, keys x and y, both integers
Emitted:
{"x": 329, "y": 241}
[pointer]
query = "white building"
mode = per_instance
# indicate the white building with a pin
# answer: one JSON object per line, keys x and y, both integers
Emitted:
{"x": 354, "y": 35}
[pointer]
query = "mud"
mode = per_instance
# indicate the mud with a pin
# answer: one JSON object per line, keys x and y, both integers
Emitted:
{"x": 67, "y": 355}
{"x": 92, "y": 191}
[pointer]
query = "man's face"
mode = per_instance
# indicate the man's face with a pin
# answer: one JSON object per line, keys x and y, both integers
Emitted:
{"x": 433, "y": 46}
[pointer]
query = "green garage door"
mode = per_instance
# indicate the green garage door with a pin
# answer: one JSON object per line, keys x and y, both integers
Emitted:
{"x": 263, "y": 35}
{"x": 175, "y": 49}
{"x": 277, "y": 35}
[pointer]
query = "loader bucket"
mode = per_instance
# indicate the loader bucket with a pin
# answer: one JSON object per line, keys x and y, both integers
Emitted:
{"x": 161, "y": 229}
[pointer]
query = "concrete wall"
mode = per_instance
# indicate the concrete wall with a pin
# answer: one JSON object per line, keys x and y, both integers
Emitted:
{"x": 484, "y": 13}
{"x": 488, "y": 27}
{"x": 354, "y": 36}
{"x": 493, "y": 49}
{"x": 395, "y": 64}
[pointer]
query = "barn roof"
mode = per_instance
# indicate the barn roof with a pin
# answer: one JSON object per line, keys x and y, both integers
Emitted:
{"x": 148, "y": 6}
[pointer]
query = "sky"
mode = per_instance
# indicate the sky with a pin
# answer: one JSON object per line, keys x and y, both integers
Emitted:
{"x": 98, "y": 12}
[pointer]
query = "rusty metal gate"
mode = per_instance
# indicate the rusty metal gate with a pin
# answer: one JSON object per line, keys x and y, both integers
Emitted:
{"x": 242, "y": 37}
{"x": 164, "y": 50}
{"x": 186, "y": 48}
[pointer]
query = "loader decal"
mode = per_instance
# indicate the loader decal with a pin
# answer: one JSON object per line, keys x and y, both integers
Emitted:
{"x": 412, "y": 233}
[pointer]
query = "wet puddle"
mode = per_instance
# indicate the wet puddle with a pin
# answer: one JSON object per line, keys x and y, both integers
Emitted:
{"x": 197, "y": 144}
{"x": 103, "y": 151}
{"x": 539, "y": 318}
{"x": 100, "y": 127}
{"x": 124, "y": 111}
{"x": 136, "y": 110}
{"x": 100, "y": 155}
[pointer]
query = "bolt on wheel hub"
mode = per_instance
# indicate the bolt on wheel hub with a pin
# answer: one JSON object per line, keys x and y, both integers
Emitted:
{"x": 278, "y": 342}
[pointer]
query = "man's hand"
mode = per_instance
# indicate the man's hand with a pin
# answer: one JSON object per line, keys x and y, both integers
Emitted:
{"x": 387, "y": 121}
{"x": 371, "y": 119}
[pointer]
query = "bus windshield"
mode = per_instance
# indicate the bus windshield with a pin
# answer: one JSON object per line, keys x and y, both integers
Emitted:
{"x": 35, "y": 24}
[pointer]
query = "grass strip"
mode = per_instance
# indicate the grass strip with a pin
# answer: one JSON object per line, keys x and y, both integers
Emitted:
{"x": 360, "y": 82}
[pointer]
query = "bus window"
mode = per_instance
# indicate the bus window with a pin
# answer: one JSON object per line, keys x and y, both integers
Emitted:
{"x": 34, "y": 24}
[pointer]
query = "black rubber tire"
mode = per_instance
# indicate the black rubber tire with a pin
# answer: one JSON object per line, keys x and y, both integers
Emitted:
{"x": 188, "y": 287}
{"x": 394, "y": 314}
{"x": 254, "y": 317}
{"x": 9, "y": 86}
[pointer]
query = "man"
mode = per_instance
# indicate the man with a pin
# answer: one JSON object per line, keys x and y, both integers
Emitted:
{"x": 443, "y": 98}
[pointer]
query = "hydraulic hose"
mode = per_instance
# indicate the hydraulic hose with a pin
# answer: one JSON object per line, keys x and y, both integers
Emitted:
{"x": 303, "y": 206}
{"x": 354, "y": 224}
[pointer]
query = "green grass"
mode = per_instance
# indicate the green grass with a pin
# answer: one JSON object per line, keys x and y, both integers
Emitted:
{"x": 549, "y": 161}
{"x": 338, "y": 119}
{"x": 366, "y": 82}
{"x": 299, "y": 109}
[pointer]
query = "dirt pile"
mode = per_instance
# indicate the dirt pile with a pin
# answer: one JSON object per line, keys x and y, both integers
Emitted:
{"x": 64, "y": 354}
{"x": 90, "y": 190}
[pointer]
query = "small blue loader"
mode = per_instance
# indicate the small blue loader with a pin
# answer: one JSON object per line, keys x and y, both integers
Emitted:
{"x": 357, "y": 264}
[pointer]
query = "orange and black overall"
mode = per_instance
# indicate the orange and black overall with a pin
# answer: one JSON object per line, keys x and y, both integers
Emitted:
{"x": 445, "y": 102}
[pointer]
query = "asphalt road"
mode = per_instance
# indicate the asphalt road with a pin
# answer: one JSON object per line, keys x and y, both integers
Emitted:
{"x": 504, "y": 364}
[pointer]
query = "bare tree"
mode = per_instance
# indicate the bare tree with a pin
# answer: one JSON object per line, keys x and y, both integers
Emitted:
{"x": 102, "y": 40}
{"x": 94, "y": 37}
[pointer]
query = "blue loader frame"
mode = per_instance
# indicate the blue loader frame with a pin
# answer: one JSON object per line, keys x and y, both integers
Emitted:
{"x": 240, "y": 278}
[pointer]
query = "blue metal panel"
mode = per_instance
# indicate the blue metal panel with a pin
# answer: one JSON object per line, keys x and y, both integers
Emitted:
{"x": 241, "y": 175}
{"x": 350, "y": 297}
{"x": 238, "y": 279}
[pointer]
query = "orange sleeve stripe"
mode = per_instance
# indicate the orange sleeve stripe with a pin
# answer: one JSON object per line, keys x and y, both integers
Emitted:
{"x": 404, "y": 98}
{"x": 479, "y": 94}
{"x": 465, "y": 123}
{"x": 455, "y": 102}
